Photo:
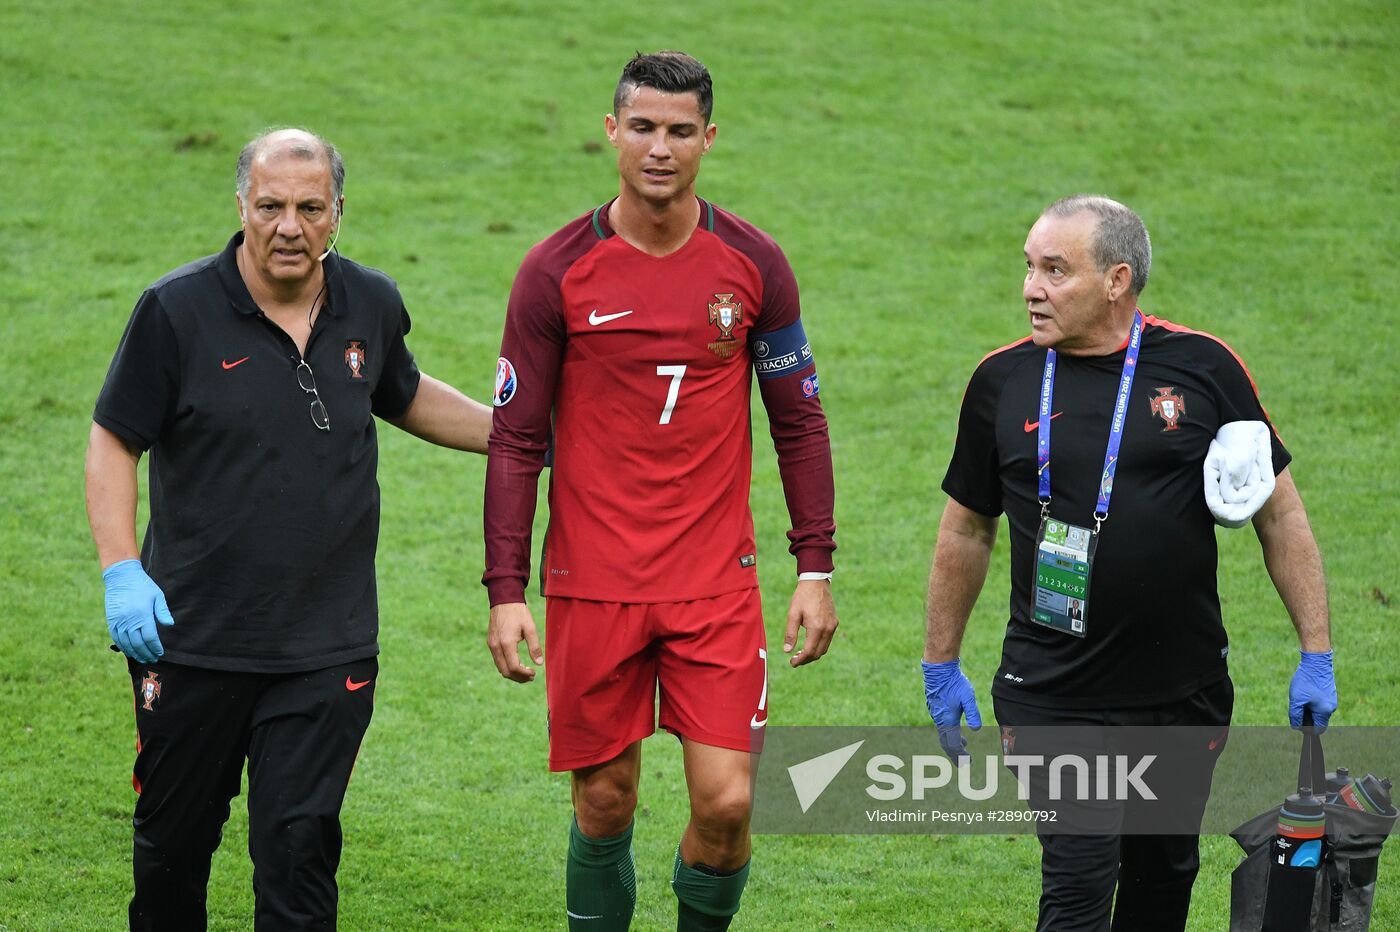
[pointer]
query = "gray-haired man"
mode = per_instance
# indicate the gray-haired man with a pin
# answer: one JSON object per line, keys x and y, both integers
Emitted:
{"x": 1091, "y": 435}
{"x": 253, "y": 376}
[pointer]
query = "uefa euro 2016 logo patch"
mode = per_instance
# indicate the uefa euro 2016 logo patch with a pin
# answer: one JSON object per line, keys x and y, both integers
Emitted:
{"x": 505, "y": 382}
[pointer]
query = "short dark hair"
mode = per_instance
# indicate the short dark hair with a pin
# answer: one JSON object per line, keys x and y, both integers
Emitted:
{"x": 670, "y": 71}
{"x": 1119, "y": 236}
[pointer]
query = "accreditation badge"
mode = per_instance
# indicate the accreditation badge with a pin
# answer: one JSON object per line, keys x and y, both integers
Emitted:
{"x": 1064, "y": 557}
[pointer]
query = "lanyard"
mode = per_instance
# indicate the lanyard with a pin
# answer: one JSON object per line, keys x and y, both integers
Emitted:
{"x": 1115, "y": 434}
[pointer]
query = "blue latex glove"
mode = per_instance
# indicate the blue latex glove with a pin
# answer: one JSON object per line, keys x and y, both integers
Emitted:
{"x": 950, "y": 695}
{"x": 1313, "y": 686}
{"x": 134, "y": 605}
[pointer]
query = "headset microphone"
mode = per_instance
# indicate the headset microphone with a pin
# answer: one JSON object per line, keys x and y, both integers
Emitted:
{"x": 331, "y": 245}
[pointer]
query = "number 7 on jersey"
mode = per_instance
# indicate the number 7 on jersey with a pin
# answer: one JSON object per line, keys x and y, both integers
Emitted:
{"x": 676, "y": 373}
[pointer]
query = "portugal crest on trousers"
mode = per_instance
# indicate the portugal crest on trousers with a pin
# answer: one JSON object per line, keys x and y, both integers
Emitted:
{"x": 150, "y": 691}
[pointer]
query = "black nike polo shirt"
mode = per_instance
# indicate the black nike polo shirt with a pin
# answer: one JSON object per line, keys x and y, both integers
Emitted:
{"x": 263, "y": 527}
{"x": 1154, "y": 628}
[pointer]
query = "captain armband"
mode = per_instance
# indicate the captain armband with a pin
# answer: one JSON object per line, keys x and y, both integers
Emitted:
{"x": 781, "y": 352}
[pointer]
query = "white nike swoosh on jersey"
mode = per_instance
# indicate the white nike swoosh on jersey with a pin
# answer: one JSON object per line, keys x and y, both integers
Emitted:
{"x": 577, "y": 916}
{"x": 595, "y": 318}
{"x": 755, "y": 723}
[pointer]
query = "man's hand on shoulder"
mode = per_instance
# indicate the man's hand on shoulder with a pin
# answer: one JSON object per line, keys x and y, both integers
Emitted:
{"x": 511, "y": 623}
{"x": 812, "y": 608}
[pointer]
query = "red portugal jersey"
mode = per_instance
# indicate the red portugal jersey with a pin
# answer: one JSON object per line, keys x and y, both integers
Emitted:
{"x": 642, "y": 367}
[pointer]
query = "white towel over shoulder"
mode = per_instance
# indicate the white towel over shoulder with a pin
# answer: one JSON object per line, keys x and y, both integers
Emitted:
{"x": 1239, "y": 472}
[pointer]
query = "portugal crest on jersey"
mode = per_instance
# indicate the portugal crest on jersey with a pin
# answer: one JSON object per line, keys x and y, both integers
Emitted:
{"x": 1169, "y": 406}
{"x": 150, "y": 691}
{"x": 725, "y": 313}
{"x": 355, "y": 358}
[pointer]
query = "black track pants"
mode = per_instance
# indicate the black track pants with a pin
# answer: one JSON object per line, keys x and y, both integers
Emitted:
{"x": 1153, "y": 874}
{"x": 299, "y": 732}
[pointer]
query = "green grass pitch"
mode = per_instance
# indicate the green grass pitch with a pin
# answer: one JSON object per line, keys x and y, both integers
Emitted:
{"x": 898, "y": 152}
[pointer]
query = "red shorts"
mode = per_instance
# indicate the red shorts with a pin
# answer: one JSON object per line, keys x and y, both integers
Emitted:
{"x": 604, "y": 661}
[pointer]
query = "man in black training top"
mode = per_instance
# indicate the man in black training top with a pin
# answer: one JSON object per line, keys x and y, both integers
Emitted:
{"x": 1143, "y": 642}
{"x": 252, "y": 376}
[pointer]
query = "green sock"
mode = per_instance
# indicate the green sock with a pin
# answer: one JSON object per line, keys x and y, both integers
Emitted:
{"x": 708, "y": 899}
{"x": 600, "y": 882}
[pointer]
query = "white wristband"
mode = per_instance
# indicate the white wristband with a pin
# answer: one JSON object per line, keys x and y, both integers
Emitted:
{"x": 803, "y": 577}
